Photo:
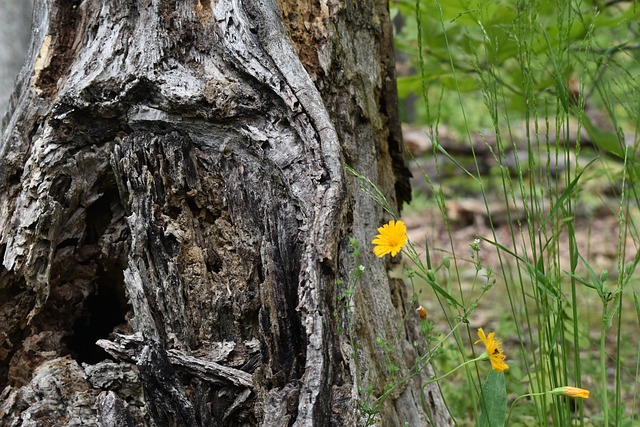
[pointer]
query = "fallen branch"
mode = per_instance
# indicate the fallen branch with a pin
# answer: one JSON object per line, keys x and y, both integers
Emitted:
{"x": 127, "y": 348}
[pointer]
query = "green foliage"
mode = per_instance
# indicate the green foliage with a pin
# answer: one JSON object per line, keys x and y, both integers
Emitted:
{"x": 555, "y": 54}
{"x": 493, "y": 401}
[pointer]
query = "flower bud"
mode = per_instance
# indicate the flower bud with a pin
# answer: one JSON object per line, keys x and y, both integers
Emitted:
{"x": 571, "y": 391}
{"x": 422, "y": 312}
{"x": 446, "y": 262}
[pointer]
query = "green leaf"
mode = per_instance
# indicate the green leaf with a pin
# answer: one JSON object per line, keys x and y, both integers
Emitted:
{"x": 612, "y": 309}
{"x": 598, "y": 285}
{"x": 437, "y": 288}
{"x": 566, "y": 193}
{"x": 493, "y": 401}
{"x": 608, "y": 142}
{"x": 408, "y": 85}
{"x": 413, "y": 83}
{"x": 462, "y": 84}
{"x": 581, "y": 280}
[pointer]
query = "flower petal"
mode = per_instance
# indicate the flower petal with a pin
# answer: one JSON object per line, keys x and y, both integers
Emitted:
{"x": 494, "y": 350}
{"x": 392, "y": 238}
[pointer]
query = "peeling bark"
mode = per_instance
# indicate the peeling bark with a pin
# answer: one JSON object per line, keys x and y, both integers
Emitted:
{"x": 174, "y": 216}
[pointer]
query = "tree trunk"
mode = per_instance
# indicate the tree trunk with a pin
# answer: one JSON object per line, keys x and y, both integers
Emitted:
{"x": 172, "y": 189}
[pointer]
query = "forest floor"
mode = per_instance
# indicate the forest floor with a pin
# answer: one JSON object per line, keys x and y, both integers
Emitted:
{"x": 597, "y": 239}
{"x": 468, "y": 211}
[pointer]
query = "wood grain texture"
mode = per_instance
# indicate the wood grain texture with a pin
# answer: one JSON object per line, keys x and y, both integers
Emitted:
{"x": 172, "y": 187}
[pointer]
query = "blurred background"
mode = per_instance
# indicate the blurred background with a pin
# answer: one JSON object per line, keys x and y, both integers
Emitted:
{"x": 15, "y": 32}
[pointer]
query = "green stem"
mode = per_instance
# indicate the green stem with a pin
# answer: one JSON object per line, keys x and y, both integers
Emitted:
{"x": 603, "y": 365}
{"x": 483, "y": 356}
{"x": 520, "y": 397}
{"x": 433, "y": 380}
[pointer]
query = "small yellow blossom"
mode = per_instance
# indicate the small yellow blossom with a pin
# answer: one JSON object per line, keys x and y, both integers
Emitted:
{"x": 571, "y": 391}
{"x": 392, "y": 238}
{"x": 494, "y": 350}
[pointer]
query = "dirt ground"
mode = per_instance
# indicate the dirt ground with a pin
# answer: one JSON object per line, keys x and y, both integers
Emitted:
{"x": 597, "y": 237}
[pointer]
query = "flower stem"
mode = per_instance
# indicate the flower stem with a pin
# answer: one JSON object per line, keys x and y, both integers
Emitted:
{"x": 520, "y": 397}
{"x": 603, "y": 365}
{"x": 433, "y": 380}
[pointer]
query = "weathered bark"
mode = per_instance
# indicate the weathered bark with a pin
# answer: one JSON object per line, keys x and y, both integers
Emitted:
{"x": 172, "y": 189}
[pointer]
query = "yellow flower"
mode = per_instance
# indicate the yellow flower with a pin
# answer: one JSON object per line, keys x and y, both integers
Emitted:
{"x": 494, "y": 350}
{"x": 392, "y": 238}
{"x": 571, "y": 391}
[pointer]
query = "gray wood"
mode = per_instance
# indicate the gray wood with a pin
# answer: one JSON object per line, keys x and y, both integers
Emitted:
{"x": 172, "y": 189}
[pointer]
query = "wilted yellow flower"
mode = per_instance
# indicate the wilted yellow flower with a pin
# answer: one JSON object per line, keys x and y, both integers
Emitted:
{"x": 392, "y": 238}
{"x": 571, "y": 391}
{"x": 494, "y": 350}
{"x": 422, "y": 312}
